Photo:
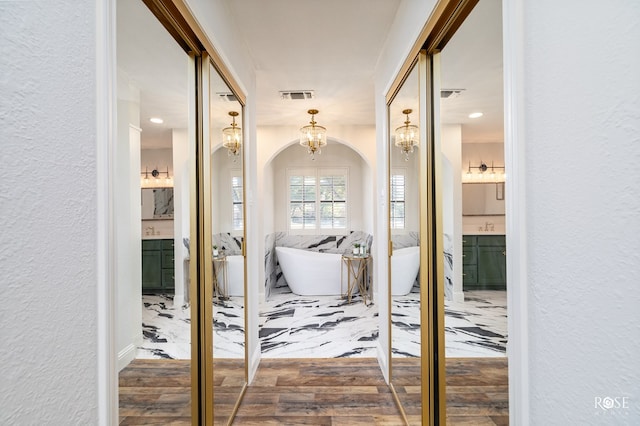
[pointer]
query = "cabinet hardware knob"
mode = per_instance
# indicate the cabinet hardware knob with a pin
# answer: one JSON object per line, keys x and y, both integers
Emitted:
{"x": 464, "y": 255}
{"x": 464, "y": 275}
{"x": 504, "y": 253}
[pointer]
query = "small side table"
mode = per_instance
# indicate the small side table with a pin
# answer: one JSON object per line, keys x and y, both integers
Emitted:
{"x": 220, "y": 282}
{"x": 357, "y": 274}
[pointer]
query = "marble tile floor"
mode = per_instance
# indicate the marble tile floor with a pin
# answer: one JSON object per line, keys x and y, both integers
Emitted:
{"x": 166, "y": 329}
{"x": 476, "y": 327}
{"x": 294, "y": 326}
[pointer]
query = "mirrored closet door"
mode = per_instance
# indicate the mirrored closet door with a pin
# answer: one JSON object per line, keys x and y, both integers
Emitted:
{"x": 227, "y": 247}
{"x": 404, "y": 230}
{"x": 152, "y": 209}
{"x": 461, "y": 239}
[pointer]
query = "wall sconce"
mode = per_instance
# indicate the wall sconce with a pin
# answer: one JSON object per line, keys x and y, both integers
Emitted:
{"x": 313, "y": 137}
{"x": 485, "y": 173}
{"x": 232, "y": 137}
{"x": 155, "y": 179}
{"x": 407, "y": 136}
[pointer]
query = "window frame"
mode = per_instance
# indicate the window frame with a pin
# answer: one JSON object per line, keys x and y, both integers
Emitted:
{"x": 236, "y": 173}
{"x": 398, "y": 171}
{"x": 317, "y": 173}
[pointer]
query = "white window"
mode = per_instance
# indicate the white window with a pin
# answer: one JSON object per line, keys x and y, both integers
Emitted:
{"x": 397, "y": 200}
{"x": 237, "y": 216}
{"x": 317, "y": 200}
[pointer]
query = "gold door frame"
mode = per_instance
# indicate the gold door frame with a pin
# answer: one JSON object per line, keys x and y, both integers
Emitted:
{"x": 446, "y": 18}
{"x": 179, "y": 21}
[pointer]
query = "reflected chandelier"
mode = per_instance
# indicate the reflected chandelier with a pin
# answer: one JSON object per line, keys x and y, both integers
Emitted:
{"x": 232, "y": 137}
{"x": 407, "y": 136}
{"x": 313, "y": 137}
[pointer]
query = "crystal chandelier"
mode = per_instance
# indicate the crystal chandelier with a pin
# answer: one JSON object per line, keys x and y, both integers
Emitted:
{"x": 232, "y": 137}
{"x": 313, "y": 137}
{"x": 407, "y": 136}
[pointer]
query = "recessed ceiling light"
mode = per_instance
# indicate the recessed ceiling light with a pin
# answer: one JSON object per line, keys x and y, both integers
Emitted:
{"x": 475, "y": 115}
{"x": 156, "y": 120}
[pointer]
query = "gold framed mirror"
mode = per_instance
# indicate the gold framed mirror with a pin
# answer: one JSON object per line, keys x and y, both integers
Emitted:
{"x": 404, "y": 150}
{"x": 228, "y": 239}
{"x": 209, "y": 383}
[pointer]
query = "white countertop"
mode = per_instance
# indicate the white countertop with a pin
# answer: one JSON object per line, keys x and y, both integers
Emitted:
{"x": 157, "y": 237}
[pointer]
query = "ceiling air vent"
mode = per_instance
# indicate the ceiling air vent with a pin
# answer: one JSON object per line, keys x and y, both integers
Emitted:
{"x": 450, "y": 93}
{"x": 227, "y": 96}
{"x": 294, "y": 95}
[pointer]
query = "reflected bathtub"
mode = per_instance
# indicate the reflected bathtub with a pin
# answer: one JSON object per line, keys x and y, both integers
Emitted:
{"x": 405, "y": 264}
{"x": 310, "y": 273}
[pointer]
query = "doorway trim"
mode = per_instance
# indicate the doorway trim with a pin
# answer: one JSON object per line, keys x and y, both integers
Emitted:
{"x": 515, "y": 209}
{"x": 106, "y": 100}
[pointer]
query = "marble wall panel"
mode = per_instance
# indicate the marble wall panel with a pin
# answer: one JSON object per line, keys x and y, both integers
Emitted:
{"x": 448, "y": 266}
{"x": 229, "y": 244}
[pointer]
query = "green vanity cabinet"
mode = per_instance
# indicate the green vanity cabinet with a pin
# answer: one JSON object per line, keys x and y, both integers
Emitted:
{"x": 484, "y": 265}
{"x": 157, "y": 266}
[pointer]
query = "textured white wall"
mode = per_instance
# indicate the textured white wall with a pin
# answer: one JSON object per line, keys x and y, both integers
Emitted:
{"x": 160, "y": 158}
{"x": 48, "y": 213}
{"x": 582, "y": 151}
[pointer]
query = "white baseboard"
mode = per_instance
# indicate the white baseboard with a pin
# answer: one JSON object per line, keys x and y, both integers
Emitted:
{"x": 254, "y": 362}
{"x": 178, "y": 300}
{"x": 126, "y": 355}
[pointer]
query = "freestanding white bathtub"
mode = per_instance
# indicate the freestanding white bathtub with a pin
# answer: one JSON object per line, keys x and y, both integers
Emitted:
{"x": 405, "y": 264}
{"x": 310, "y": 273}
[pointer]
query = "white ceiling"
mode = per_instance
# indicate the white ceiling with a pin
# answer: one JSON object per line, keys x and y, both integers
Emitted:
{"x": 329, "y": 46}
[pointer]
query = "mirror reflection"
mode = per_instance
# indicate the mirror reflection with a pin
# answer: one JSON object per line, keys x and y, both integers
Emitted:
{"x": 157, "y": 203}
{"x": 483, "y": 199}
{"x": 152, "y": 210}
{"x": 227, "y": 226}
{"x": 473, "y": 211}
{"x": 404, "y": 223}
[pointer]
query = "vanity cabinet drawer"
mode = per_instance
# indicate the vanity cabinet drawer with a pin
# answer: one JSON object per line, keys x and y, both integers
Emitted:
{"x": 490, "y": 240}
{"x": 469, "y": 241}
{"x": 151, "y": 245}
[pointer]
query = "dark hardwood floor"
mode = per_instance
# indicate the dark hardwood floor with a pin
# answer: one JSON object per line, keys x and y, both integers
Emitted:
{"x": 346, "y": 391}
